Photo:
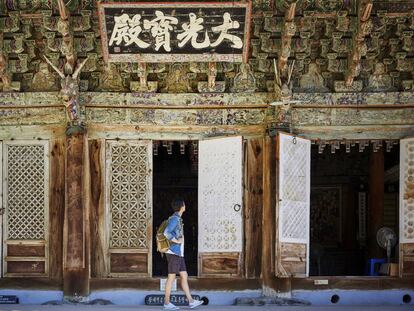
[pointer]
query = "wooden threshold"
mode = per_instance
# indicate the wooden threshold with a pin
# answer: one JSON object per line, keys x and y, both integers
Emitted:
{"x": 354, "y": 282}
{"x": 30, "y": 283}
{"x": 195, "y": 284}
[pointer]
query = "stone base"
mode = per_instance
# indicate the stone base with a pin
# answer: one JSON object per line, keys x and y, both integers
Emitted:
{"x": 279, "y": 301}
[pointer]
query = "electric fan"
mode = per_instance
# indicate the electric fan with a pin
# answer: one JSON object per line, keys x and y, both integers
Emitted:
{"x": 386, "y": 238}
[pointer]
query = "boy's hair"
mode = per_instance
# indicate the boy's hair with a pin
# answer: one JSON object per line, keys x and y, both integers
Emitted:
{"x": 176, "y": 204}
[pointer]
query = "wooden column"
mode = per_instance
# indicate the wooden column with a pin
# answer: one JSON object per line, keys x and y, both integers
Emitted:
{"x": 253, "y": 206}
{"x": 97, "y": 210}
{"x": 375, "y": 202}
{"x": 76, "y": 223}
{"x": 271, "y": 285}
{"x": 56, "y": 207}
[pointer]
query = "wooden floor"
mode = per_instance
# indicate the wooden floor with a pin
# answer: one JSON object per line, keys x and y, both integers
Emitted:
{"x": 354, "y": 282}
{"x": 363, "y": 283}
{"x": 194, "y": 283}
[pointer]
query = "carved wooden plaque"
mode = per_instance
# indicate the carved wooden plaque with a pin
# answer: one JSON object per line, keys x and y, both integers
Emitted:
{"x": 175, "y": 32}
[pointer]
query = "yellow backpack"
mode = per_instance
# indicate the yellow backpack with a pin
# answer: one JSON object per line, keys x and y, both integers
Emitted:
{"x": 163, "y": 244}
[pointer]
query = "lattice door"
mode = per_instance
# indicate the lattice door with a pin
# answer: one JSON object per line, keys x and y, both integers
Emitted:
{"x": 129, "y": 206}
{"x": 1, "y": 207}
{"x": 407, "y": 207}
{"x": 220, "y": 206}
{"x": 26, "y": 205}
{"x": 293, "y": 210}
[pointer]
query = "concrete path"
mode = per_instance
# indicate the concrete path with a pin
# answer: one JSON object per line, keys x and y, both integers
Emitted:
{"x": 203, "y": 308}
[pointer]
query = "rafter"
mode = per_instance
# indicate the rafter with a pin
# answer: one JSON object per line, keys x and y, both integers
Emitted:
{"x": 64, "y": 28}
{"x": 354, "y": 62}
{"x": 4, "y": 75}
{"x": 289, "y": 30}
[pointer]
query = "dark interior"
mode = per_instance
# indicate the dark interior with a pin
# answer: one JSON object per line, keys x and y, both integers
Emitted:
{"x": 337, "y": 182}
{"x": 175, "y": 175}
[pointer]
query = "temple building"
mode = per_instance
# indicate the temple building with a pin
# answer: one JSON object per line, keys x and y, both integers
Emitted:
{"x": 286, "y": 126}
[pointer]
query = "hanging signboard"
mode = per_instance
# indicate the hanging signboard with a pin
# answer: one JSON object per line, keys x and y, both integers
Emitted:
{"x": 175, "y": 32}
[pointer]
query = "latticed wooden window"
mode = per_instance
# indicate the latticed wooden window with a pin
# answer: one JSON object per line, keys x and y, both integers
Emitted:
{"x": 129, "y": 195}
{"x": 26, "y": 191}
{"x": 26, "y": 202}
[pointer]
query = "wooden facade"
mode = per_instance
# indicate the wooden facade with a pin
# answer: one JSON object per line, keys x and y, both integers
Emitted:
{"x": 77, "y": 156}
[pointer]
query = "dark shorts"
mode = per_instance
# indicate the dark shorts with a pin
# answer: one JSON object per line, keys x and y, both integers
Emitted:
{"x": 176, "y": 264}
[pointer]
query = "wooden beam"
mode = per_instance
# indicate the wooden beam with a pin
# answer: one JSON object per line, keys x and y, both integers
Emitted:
{"x": 354, "y": 132}
{"x": 355, "y": 57}
{"x": 271, "y": 285}
{"x": 175, "y": 107}
{"x": 97, "y": 213}
{"x": 287, "y": 34}
{"x": 76, "y": 222}
{"x": 253, "y": 207}
{"x": 56, "y": 207}
{"x": 172, "y": 132}
{"x": 375, "y": 202}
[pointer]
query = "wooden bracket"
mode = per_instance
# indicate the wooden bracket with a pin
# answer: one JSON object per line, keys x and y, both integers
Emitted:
{"x": 289, "y": 30}
{"x": 355, "y": 56}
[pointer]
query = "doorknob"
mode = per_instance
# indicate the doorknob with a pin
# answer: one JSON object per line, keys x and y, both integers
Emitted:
{"x": 237, "y": 207}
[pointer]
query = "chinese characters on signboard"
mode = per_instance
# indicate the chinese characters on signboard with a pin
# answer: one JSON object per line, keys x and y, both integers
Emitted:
{"x": 169, "y": 32}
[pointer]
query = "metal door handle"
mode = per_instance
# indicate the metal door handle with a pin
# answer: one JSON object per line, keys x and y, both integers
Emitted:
{"x": 237, "y": 207}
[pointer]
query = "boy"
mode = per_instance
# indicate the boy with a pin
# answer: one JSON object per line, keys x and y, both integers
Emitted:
{"x": 175, "y": 256}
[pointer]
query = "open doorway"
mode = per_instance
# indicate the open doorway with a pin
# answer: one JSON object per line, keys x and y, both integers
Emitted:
{"x": 345, "y": 182}
{"x": 175, "y": 165}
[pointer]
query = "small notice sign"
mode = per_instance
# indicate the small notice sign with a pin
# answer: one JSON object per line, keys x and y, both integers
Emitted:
{"x": 175, "y": 32}
{"x": 158, "y": 300}
{"x": 162, "y": 285}
{"x": 8, "y": 299}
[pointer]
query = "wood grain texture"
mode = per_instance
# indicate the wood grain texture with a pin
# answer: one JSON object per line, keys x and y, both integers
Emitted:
{"x": 270, "y": 254}
{"x": 76, "y": 246}
{"x": 253, "y": 206}
{"x": 57, "y": 207}
{"x": 219, "y": 264}
{"x": 25, "y": 267}
{"x": 145, "y": 283}
{"x": 375, "y": 217}
{"x": 25, "y": 251}
{"x": 129, "y": 263}
{"x": 293, "y": 258}
{"x": 407, "y": 259}
{"x": 97, "y": 211}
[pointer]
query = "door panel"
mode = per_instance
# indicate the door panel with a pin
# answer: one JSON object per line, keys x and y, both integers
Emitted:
{"x": 129, "y": 207}
{"x": 293, "y": 206}
{"x": 407, "y": 207}
{"x": 26, "y": 204}
{"x": 1, "y": 207}
{"x": 220, "y": 239}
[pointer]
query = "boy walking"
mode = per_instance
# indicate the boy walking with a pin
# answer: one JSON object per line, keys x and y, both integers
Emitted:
{"x": 175, "y": 256}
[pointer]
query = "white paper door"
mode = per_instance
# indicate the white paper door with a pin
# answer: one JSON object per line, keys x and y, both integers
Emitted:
{"x": 407, "y": 206}
{"x": 293, "y": 210}
{"x": 220, "y": 225}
